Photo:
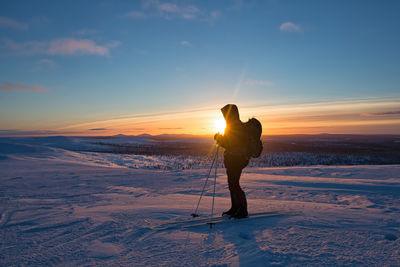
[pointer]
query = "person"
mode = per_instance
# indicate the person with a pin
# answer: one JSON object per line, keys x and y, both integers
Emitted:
{"x": 235, "y": 159}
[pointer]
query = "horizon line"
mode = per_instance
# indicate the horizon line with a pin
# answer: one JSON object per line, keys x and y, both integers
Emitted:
{"x": 23, "y": 135}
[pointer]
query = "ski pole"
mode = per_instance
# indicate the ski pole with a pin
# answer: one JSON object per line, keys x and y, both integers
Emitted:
{"x": 194, "y": 214}
{"x": 215, "y": 182}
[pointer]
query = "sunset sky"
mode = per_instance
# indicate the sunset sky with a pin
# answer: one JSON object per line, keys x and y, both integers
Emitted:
{"x": 153, "y": 66}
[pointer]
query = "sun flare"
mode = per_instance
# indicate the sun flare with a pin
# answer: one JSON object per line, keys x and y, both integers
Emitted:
{"x": 219, "y": 125}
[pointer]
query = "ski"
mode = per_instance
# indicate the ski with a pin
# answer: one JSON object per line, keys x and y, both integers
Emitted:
{"x": 217, "y": 220}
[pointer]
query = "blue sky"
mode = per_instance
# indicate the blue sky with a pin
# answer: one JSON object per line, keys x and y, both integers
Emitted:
{"x": 66, "y": 63}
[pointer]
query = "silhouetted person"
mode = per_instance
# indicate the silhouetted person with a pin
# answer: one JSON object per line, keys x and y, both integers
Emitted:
{"x": 236, "y": 158}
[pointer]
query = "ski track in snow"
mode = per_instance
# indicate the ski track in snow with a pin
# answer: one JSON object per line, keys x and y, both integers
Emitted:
{"x": 70, "y": 208}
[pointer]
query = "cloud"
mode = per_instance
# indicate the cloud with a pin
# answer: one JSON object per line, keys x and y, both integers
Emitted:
{"x": 253, "y": 82}
{"x": 290, "y": 27}
{"x": 278, "y": 118}
{"x": 186, "y": 12}
{"x": 98, "y": 129}
{"x": 394, "y": 112}
{"x": 135, "y": 15}
{"x": 76, "y": 46}
{"x": 186, "y": 43}
{"x": 12, "y": 24}
{"x": 172, "y": 10}
{"x": 18, "y": 87}
{"x": 64, "y": 46}
{"x": 169, "y": 7}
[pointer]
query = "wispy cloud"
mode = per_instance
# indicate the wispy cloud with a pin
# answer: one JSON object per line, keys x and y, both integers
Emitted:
{"x": 76, "y": 46}
{"x": 135, "y": 15}
{"x": 173, "y": 10}
{"x": 13, "y": 24}
{"x": 394, "y": 112}
{"x": 170, "y": 128}
{"x": 170, "y": 10}
{"x": 98, "y": 129}
{"x": 63, "y": 46}
{"x": 19, "y": 87}
{"x": 186, "y": 43}
{"x": 290, "y": 27}
{"x": 314, "y": 117}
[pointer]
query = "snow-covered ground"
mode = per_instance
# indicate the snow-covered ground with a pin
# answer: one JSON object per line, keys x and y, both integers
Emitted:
{"x": 60, "y": 207}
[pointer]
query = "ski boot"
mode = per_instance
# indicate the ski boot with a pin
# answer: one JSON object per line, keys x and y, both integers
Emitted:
{"x": 240, "y": 214}
{"x": 229, "y": 212}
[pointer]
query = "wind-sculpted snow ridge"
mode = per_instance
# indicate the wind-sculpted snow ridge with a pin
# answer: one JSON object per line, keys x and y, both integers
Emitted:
{"x": 149, "y": 162}
{"x": 176, "y": 162}
{"x": 138, "y": 161}
{"x": 167, "y": 152}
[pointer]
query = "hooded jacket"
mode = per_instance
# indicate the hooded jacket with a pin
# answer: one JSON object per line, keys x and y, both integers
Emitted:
{"x": 234, "y": 138}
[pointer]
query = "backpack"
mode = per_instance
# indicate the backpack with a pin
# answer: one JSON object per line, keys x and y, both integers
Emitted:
{"x": 254, "y": 131}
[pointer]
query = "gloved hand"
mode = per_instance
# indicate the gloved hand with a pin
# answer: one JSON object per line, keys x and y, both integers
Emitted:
{"x": 217, "y": 137}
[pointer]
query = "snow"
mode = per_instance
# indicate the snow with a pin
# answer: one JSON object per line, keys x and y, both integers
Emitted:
{"x": 63, "y": 207}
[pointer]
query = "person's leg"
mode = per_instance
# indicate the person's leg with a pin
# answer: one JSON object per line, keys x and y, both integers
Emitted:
{"x": 237, "y": 192}
{"x": 242, "y": 202}
{"x": 232, "y": 190}
{"x": 242, "y": 209}
{"x": 234, "y": 167}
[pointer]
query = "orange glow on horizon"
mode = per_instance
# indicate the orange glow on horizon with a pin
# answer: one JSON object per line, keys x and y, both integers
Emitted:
{"x": 357, "y": 116}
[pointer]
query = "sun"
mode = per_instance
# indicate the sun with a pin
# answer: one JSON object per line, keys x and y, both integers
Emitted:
{"x": 219, "y": 125}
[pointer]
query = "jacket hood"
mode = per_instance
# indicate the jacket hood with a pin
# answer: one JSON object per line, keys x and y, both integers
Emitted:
{"x": 230, "y": 112}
